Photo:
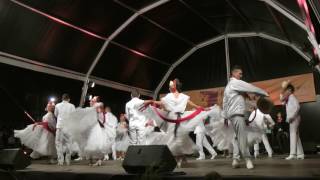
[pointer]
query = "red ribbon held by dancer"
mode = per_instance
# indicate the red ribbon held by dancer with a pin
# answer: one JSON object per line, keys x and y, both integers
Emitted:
{"x": 191, "y": 116}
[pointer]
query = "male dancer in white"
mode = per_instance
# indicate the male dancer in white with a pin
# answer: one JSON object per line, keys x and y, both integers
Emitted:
{"x": 234, "y": 109}
{"x": 293, "y": 118}
{"x": 202, "y": 141}
{"x": 137, "y": 121}
{"x": 266, "y": 122}
{"x": 63, "y": 141}
{"x": 111, "y": 121}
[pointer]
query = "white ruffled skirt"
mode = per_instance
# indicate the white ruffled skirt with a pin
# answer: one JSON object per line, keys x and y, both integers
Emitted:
{"x": 180, "y": 142}
{"x": 93, "y": 140}
{"x": 37, "y": 138}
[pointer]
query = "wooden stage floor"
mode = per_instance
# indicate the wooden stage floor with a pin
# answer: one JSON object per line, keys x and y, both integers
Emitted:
{"x": 265, "y": 167}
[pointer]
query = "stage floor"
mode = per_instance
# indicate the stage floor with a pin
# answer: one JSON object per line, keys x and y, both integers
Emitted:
{"x": 264, "y": 167}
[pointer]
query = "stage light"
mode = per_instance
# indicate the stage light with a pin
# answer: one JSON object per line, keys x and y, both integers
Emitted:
{"x": 52, "y": 99}
{"x": 90, "y": 97}
{"x": 92, "y": 84}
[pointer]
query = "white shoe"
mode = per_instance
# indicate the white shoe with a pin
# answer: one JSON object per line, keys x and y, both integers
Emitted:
{"x": 106, "y": 157}
{"x": 201, "y": 158}
{"x": 291, "y": 157}
{"x": 213, "y": 156}
{"x": 78, "y": 159}
{"x": 270, "y": 155}
{"x": 52, "y": 161}
{"x": 235, "y": 163}
{"x": 249, "y": 164}
{"x": 179, "y": 163}
{"x": 98, "y": 163}
{"x": 300, "y": 157}
{"x": 60, "y": 163}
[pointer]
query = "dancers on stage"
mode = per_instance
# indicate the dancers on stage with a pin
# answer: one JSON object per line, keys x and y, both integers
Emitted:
{"x": 175, "y": 121}
{"x": 89, "y": 129}
{"x": 294, "y": 119}
{"x": 122, "y": 139}
{"x": 136, "y": 119}
{"x": 234, "y": 110}
{"x": 40, "y": 136}
{"x": 263, "y": 122}
{"x": 63, "y": 139}
{"x": 112, "y": 123}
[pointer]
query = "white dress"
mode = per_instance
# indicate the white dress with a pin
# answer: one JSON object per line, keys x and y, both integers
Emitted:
{"x": 122, "y": 138}
{"x": 179, "y": 143}
{"x": 92, "y": 137}
{"x": 40, "y": 137}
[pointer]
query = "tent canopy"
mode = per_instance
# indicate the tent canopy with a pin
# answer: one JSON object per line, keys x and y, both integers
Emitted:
{"x": 142, "y": 43}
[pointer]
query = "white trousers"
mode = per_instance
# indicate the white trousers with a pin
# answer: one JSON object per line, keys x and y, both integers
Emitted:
{"x": 240, "y": 142}
{"x": 63, "y": 145}
{"x": 295, "y": 141}
{"x": 136, "y": 135}
{"x": 266, "y": 145}
{"x": 202, "y": 141}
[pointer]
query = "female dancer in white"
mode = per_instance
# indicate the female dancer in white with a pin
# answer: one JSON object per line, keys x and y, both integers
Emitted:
{"x": 87, "y": 127}
{"x": 175, "y": 121}
{"x": 40, "y": 136}
{"x": 122, "y": 139}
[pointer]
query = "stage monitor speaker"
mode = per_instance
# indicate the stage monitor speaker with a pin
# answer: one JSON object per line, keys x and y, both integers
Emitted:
{"x": 153, "y": 158}
{"x": 13, "y": 159}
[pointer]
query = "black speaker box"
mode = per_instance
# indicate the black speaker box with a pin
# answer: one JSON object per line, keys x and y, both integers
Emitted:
{"x": 152, "y": 158}
{"x": 13, "y": 159}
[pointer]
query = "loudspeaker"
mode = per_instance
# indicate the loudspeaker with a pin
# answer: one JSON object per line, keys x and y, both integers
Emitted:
{"x": 153, "y": 158}
{"x": 13, "y": 159}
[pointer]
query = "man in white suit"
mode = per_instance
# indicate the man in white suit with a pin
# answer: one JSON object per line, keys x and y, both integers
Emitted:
{"x": 293, "y": 118}
{"x": 63, "y": 141}
{"x": 137, "y": 121}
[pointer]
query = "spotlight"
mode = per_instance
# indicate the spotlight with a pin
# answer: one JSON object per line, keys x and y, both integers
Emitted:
{"x": 90, "y": 97}
{"x": 91, "y": 84}
{"x": 52, "y": 99}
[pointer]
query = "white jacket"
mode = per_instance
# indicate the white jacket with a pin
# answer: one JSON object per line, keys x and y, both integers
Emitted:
{"x": 292, "y": 108}
{"x": 135, "y": 117}
{"x": 233, "y": 100}
{"x": 61, "y": 111}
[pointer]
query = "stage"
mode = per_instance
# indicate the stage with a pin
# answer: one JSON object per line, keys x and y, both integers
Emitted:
{"x": 265, "y": 168}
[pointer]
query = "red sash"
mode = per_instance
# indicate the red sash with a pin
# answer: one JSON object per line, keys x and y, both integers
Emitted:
{"x": 179, "y": 120}
{"x": 44, "y": 125}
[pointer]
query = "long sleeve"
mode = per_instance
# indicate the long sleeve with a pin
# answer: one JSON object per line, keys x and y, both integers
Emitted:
{"x": 242, "y": 86}
{"x": 292, "y": 107}
{"x": 269, "y": 120}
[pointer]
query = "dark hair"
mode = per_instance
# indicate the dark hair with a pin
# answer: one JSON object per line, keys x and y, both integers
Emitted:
{"x": 65, "y": 96}
{"x": 98, "y": 98}
{"x": 135, "y": 93}
{"x": 107, "y": 107}
{"x": 178, "y": 84}
{"x": 236, "y": 67}
{"x": 291, "y": 87}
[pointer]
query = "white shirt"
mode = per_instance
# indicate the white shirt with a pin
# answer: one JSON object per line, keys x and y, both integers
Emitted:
{"x": 292, "y": 107}
{"x": 175, "y": 104}
{"x": 261, "y": 120}
{"x": 62, "y": 110}
{"x": 133, "y": 114}
{"x": 233, "y": 100}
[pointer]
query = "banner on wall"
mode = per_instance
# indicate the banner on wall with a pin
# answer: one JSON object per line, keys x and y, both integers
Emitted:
{"x": 304, "y": 84}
